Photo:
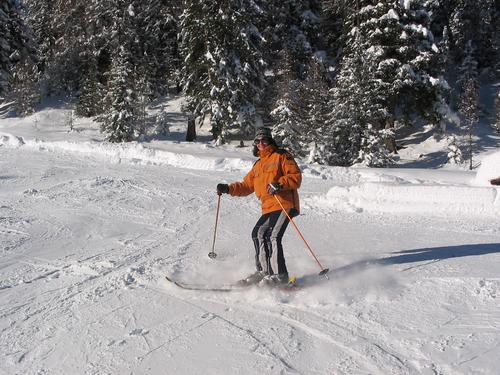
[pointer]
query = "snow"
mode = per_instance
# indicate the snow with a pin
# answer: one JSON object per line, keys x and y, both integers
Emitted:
{"x": 131, "y": 11}
{"x": 489, "y": 169}
{"x": 420, "y": 30}
{"x": 391, "y": 14}
{"x": 89, "y": 229}
{"x": 406, "y": 4}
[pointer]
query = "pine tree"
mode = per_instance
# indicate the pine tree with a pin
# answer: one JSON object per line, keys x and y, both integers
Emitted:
{"x": 468, "y": 70}
{"x": 292, "y": 25}
{"x": 403, "y": 63}
{"x": 333, "y": 24}
{"x": 454, "y": 152}
{"x": 289, "y": 113}
{"x": 161, "y": 124}
{"x": 111, "y": 33}
{"x": 469, "y": 96}
{"x": 468, "y": 109}
{"x": 496, "y": 122}
{"x": 70, "y": 56}
{"x": 409, "y": 66}
{"x": 25, "y": 91}
{"x": 16, "y": 40}
{"x": 315, "y": 96}
{"x": 356, "y": 134}
{"x": 90, "y": 101}
{"x": 41, "y": 15}
{"x": 119, "y": 122}
{"x": 159, "y": 29}
{"x": 475, "y": 22}
{"x": 5, "y": 63}
{"x": 223, "y": 73}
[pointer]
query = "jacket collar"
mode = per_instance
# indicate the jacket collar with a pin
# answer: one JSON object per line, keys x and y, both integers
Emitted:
{"x": 267, "y": 151}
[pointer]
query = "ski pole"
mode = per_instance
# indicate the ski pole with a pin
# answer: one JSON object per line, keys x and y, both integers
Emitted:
{"x": 212, "y": 254}
{"x": 324, "y": 271}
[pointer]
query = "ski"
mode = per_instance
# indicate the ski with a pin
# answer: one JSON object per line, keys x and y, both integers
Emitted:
{"x": 231, "y": 287}
{"x": 208, "y": 288}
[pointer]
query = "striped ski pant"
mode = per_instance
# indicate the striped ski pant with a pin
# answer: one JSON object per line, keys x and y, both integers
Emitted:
{"x": 267, "y": 235}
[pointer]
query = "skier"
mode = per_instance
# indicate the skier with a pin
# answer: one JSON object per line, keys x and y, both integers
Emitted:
{"x": 274, "y": 174}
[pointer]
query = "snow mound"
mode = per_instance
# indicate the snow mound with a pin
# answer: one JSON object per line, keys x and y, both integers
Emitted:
{"x": 356, "y": 189}
{"x": 11, "y": 141}
{"x": 134, "y": 153}
{"x": 489, "y": 169}
{"x": 137, "y": 153}
{"x": 434, "y": 200}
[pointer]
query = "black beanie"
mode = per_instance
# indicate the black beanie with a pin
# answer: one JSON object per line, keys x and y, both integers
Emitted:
{"x": 263, "y": 133}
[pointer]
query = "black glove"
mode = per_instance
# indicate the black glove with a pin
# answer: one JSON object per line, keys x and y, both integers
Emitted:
{"x": 273, "y": 188}
{"x": 222, "y": 189}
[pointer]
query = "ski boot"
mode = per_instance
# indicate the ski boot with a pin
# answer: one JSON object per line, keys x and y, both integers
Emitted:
{"x": 280, "y": 279}
{"x": 253, "y": 278}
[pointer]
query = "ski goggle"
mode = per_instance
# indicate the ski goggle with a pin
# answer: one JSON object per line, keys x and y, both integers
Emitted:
{"x": 264, "y": 141}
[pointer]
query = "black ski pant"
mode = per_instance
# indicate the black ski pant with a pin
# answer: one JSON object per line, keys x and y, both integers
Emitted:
{"x": 267, "y": 235}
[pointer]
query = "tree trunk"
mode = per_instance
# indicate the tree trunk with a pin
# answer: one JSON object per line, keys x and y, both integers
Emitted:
{"x": 390, "y": 142}
{"x": 191, "y": 130}
{"x": 470, "y": 148}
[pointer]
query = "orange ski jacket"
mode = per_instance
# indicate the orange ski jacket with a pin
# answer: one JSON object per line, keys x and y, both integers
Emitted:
{"x": 274, "y": 165}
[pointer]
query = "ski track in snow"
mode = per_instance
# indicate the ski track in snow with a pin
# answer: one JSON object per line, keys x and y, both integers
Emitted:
{"x": 86, "y": 244}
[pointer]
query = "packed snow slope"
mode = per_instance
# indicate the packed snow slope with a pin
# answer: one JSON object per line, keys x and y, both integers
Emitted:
{"x": 88, "y": 230}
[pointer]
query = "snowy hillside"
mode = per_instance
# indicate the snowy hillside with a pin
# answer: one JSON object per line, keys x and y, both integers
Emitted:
{"x": 88, "y": 230}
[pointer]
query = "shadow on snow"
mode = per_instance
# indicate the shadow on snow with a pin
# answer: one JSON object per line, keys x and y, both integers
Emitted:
{"x": 410, "y": 257}
{"x": 425, "y": 255}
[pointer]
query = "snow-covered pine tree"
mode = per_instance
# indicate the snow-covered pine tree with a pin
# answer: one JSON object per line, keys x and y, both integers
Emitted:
{"x": 16, "y": 40}
{"x": 119, "y": 121}
{"x": 5, "y": 63}
{"x": 476, "y": 21}
{"x": 408, "y": 64}
{"x": 290, "y": 112}
{"x": 292, "y": 25}
{"x": 109, "y": 28}
{"x": 24, "y": 89}
{"x": 64, "y": 64}
{"x": 315, "y": 96}
{"x": 41, "y": 16}
{"x": 454, "y": 152}
{"x": 90, "y": 101}
{"x": 159, "y": 30}
{"x": 223, "y": 74}
{"x": 489, "y": 30}
{"x": 468, "y": 69}
{"x": 333, "y": 24}
{"x": 121, "y": 25}
{"x": 404, "y": 62}
{"x": 468, "y": 108}
{"x": 468, "y": 104}
{"x": 161, "y": 124}
{"x": 427, "y": 89}
{"x": 496, "y": 121}
{"x": 445, "y": 48}
{"x": 356, "y": 133}
{"x": 143, "y": 94}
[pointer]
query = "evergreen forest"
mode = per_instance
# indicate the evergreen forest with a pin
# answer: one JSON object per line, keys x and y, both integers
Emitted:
{"x": 339, "y": 82}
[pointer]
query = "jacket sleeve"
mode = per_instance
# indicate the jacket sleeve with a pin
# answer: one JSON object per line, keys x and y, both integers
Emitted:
{"x": 241, "y": 189}
{"x": 292, "y": 176}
